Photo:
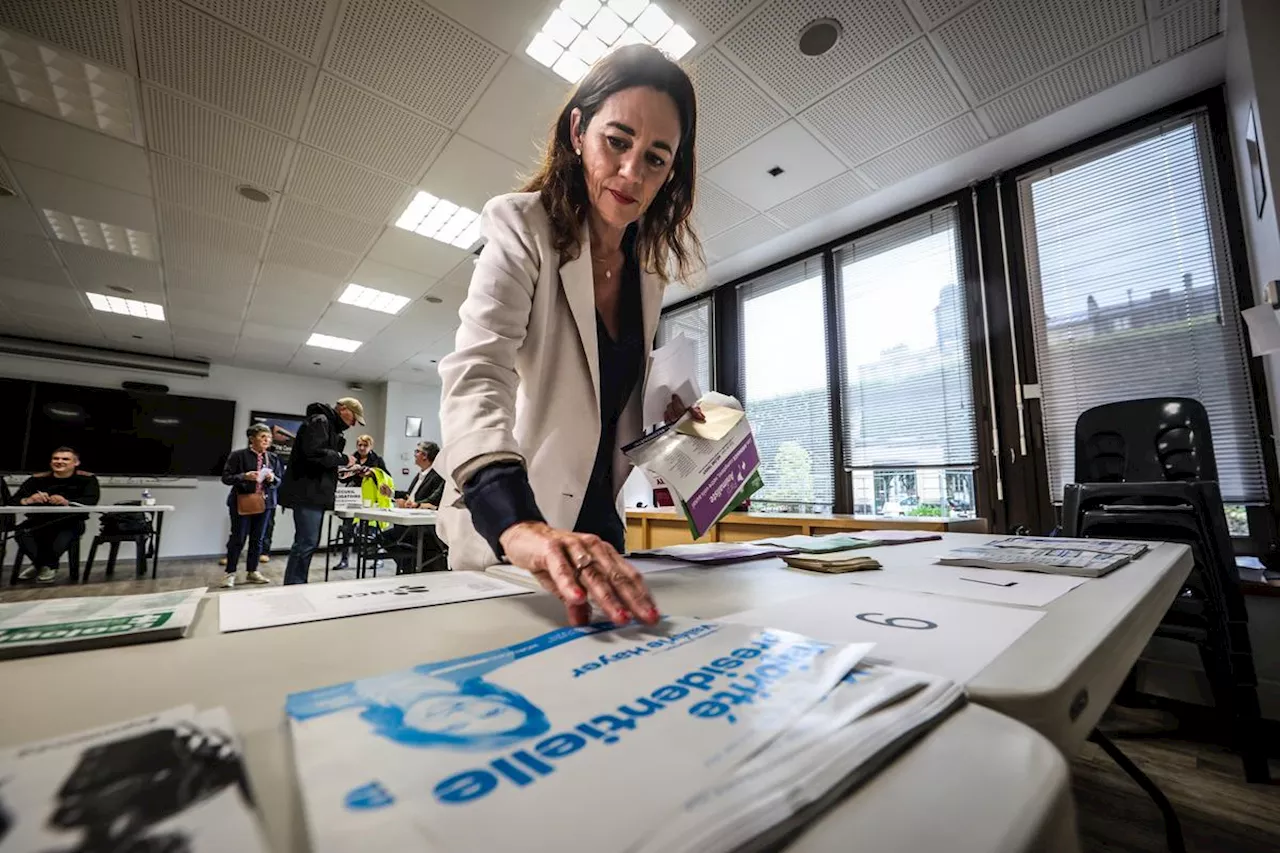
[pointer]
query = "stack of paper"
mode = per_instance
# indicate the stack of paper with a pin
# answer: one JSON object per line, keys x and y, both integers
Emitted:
{"x": 894, "y": 537}
{"x": 74, "y": 624}
{"x": 834, "y": 563}
{"x": 725, "y": 731}
{"x": 709, "y": 553}
{"x": 1060, "y": 561}
{"x": 820, "y": 544}
{"x": 525, "y": 578}
{"x": 1128, "y": 548}
{"x": 172, "y": 781}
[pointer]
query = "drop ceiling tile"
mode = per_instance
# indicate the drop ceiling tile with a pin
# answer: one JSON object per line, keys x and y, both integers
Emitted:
{"x": 314, "y": 224}
{"x": 714, "y": 210}
{"x": 281, "y": 283}
{"x": 212, "y": 303}
{"x": 427, "y": 321}
{"x": 275, "y": 347}
{"x": 516, "y": 112}
{"x": 193, "y": 132}
{"x": 871, "y": 30}
{"x": 836, "y": 194}
{"x": 345, "y": 187}
{"x": 296, "y": 26}
{"x": 31, "y": 291}
{"x": 32, "y": 249}
{"x": 714, "y": 16}
{"x": 41, "y": 141}
{"x": 1185, "y": 27}
{"x": 900, "y": 98}
{"x": 469, "y": 174}
{"x": 415, "y": 253}
{"x": 999, "y": 44}
{"x": 97, "y": 270}
{"x": 179, "y": 47}
{"x": 186, "y": 228}
{"x": 203, "y": 348}
{"x": 210, "y": 282}
{"x": 37, "y": 272}
{"x": 359, "y": 126}
{"x": 748, "y": 235}
{"x": 379, "y": 44}
{"x": 1121, "y": 59}
{"x": 505, "y": 23}
{"x": 204, "y": 321}
{"x": 56, "y": 191}
{"x": 94, "y": 28}
{"x": 930, "y": 13}
{"x": 16, "y": 217}
{"x": 205, "y": 190}
{"x": 357, "y": 324}
{"x": 732, "y": 111}
{"x": 804, "y": 161}
{"x": 937, "y": 146}
{"x": 321, "y": 260}
{"x": 294, "y": 334}
{"x": 283, "y": 316}
{"x": 380, "y": 276}
{"x": 1156, "y": 8}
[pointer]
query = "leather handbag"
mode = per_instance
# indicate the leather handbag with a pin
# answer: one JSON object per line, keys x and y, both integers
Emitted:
{"x": 252, "y": 503}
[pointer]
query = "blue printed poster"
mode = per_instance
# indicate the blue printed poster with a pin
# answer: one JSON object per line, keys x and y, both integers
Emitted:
{"x": 580, "y": 738}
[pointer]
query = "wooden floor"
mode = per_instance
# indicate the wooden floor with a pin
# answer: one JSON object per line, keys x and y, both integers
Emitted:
{"x": 1220, "y": 813}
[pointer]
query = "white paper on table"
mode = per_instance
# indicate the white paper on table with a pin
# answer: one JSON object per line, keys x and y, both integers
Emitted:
{"x": 55, "y": 621}
{"x": 929, "y": 633}
{"x": 1026, "y": 589}
{"x": 673, "y": 369}
{"x": 296, "y": 603}
{"x": 1264, "y": 329}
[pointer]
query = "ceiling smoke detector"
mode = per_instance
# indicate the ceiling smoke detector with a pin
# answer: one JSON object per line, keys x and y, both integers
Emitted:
{"x": 253, "y": 194}
{"x": 119, "y": 288}
{"x": 776, "y": 171}
{"x": 434, "y": 300}
{"x": 820, "y": 36}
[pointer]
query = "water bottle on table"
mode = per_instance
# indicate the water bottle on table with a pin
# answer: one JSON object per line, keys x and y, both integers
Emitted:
{"x": 147, "y": 500}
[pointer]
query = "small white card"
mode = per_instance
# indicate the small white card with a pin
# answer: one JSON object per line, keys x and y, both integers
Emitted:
{"x": 930, "y": 633}
{"x": 1025, "y": 589}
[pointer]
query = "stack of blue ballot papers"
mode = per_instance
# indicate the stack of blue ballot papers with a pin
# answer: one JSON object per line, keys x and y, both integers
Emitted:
{"x": 689, "y": 735}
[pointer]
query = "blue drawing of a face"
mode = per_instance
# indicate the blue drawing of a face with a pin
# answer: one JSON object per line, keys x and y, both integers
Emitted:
{"x": 432, "y": 712}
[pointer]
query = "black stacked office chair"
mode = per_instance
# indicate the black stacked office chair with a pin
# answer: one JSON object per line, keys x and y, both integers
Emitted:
{"x": 117, "y": 528}
{"x": 1145, "y": 469}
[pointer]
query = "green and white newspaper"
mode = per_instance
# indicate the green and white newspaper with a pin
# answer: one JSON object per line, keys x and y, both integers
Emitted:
{"x": 74, "y": 624}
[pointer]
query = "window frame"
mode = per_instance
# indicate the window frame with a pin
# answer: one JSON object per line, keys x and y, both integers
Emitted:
{"x": 1031, "y": 489}
{"x": 712, "y": 330}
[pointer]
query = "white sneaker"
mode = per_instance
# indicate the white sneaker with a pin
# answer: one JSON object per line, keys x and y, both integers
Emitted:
{"x": 27, "y": 574}
{"x": 263, "y": 558}
{"x": 46, "y": 576}
{"x": 222, "y": 561}
{"x": 255, "y": 577}
{"x": 229, "y": 582}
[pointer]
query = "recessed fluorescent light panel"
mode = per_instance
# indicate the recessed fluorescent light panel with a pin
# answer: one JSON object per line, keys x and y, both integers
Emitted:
{"x": 101, "y": 235}
{"x": 581, "y": 31}
{"x": 65, "y": 86}
{"x": 374, "y": 300}
{"x": 127, "y": 307}
{"x": 329, "y": 342}
{"x": 441, "y": 219}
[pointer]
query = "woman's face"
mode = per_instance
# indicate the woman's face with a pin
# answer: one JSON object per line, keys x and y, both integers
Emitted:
{"x": 260, "y": 442}
{"x": 463, "y": 715}
{"x": 363, "y": 447}
{"x": 628, "y": 149}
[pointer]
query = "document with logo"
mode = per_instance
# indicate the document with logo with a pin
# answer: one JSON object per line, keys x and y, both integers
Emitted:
{"x": 91, "y": 622}
{"x": 290, "y": 605}
{"x": 172, "y": 781}
{"x": 596, "y": 733}
{"x": 711, "y": 467}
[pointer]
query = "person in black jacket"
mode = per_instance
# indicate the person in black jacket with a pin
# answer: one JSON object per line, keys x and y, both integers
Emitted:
{"x": 253, "y": 469}
{"x": 427, "y": 487}
{"x": 47, "y": 536}
{"x": 367, "y": 460}
{"x": 311, "y": 478}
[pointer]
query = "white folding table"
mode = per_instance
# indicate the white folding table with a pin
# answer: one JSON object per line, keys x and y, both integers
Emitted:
{"x": 157, "y": 519}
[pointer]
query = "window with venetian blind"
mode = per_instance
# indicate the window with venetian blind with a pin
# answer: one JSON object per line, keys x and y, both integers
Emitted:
{"x": 910, "y": 430}
{"x": 1132, "y": 294}
{"x": 784, "y": 387}
{"x": 694, "y": 322}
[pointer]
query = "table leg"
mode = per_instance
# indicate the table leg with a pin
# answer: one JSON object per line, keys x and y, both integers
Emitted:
{"x": 158, "y": 519}
{"x": 328, "y": 542}
{"x": 417, "y": 557}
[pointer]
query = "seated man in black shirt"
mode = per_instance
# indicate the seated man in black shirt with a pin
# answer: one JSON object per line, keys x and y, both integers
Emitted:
{"x": 45, "y": 537}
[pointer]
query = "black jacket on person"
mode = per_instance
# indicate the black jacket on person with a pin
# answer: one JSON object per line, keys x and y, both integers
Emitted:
{"x": 429, "y": 491}
{"x": 81, "y": 487}
{"x": 373, "y": 460}
{"x": 311, "y": 479}
{"x": 241, "y": 462}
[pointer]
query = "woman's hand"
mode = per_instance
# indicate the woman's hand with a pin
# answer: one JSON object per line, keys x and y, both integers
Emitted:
{"x": 580, "y": 568}
{"x": 676, "y": 408}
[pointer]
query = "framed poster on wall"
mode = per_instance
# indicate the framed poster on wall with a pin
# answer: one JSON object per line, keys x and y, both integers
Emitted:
{"x": 284, "y": 429}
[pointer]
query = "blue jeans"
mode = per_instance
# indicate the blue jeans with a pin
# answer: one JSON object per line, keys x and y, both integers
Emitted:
{"x": 246, "y": 529}
{"x": 306, "y": 536}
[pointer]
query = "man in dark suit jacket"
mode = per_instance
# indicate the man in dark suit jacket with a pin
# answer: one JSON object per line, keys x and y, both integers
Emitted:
{"x": 427, "y": 487}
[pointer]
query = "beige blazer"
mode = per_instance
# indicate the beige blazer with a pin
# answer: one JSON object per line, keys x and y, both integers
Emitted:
{"x": 523, "y": 381}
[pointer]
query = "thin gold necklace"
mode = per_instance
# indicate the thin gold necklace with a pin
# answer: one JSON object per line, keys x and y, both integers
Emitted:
{"x": 608, "y": 273}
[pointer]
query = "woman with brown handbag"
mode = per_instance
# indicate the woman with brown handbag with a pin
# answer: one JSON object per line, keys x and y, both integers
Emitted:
{"x": 254, "y": 475}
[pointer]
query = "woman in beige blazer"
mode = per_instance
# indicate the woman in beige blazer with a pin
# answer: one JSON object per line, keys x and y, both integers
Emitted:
{"x": 544, "y": 386}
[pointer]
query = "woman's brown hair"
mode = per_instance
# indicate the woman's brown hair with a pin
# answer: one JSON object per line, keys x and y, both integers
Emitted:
{"x": 665, "y": 231}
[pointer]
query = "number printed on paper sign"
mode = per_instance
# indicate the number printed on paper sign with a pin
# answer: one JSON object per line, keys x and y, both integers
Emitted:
{"x": 898, "y": 621}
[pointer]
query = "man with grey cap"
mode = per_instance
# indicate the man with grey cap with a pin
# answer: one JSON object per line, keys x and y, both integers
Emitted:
{"x": 311, "y": 479}
{"x": 255, "y": 470}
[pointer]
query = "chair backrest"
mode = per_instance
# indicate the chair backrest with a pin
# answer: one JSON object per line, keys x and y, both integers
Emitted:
{"x": 125, "y": 524}
{"x": 1149, "y": 440}
{"x": 7, "y": 522}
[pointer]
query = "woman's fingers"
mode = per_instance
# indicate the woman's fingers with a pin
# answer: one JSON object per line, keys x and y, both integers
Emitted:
{"x": 594, "y": 579}
{"x": 563, "y": 573}
{"x": 627, "y": 584}
{"x": 579, "y": 614}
